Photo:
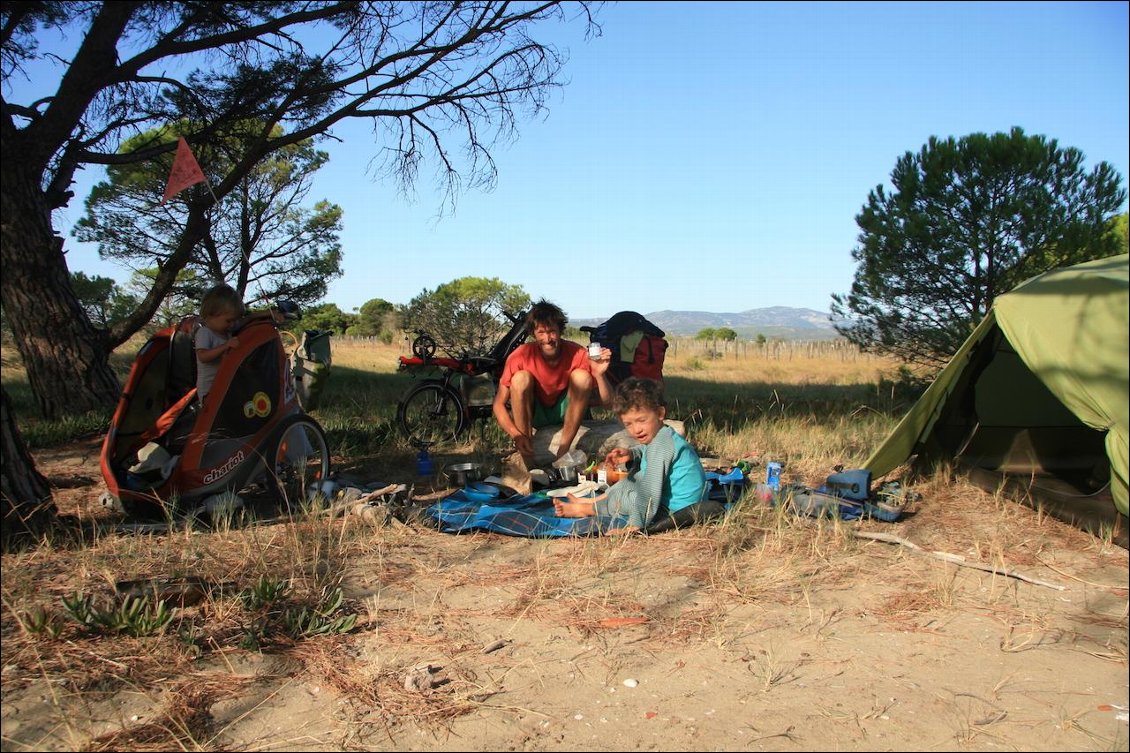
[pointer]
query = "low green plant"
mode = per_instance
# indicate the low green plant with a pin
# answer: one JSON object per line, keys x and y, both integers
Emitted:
{"x": 42, "y": 622}
{"x": 296, "y": 621}
{"x": 306, "y": 622}
{"x": 253, "y": 636}
{"x": 135, "y": 615}
{"x": 266, "y": 591}
{"x": 79, "y": 608}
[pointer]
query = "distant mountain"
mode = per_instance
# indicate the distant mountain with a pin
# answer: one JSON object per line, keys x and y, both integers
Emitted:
{"x": 773, "y": 322}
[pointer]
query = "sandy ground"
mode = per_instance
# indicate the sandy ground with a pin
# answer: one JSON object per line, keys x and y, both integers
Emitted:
{"x": 728, "y": 637}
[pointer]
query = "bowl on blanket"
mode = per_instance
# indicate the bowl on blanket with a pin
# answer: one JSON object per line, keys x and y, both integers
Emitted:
{"x": 462, "y": 474}
{"x": 474, "y": 496}
{"x": 480, "y": 492}
{"x": 489, "y": 490}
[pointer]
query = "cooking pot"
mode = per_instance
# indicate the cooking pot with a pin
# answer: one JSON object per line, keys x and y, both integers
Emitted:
{"x": 462, "y": 474}
{"x": 567, "y": 472}
{"x": 569, "y": 465}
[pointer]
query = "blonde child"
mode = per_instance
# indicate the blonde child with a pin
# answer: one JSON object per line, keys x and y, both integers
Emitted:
{"x": 220, "y": 309}
{"x": 665, "y": 474}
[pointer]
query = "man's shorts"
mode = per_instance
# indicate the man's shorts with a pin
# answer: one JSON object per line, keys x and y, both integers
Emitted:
{"x": 554, "y": 415}
{"x": 548, "y": 415}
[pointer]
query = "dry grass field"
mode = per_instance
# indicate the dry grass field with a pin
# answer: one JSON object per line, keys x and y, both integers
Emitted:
{"x": 765, "y": 631}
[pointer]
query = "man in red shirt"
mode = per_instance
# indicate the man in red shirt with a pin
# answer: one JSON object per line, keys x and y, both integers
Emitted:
{"x": 549, "y": 381}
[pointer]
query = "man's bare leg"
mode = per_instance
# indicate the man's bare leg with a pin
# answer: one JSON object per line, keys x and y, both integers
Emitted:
{"x": 522, "y": 396}
{"x": 580, "y": 388}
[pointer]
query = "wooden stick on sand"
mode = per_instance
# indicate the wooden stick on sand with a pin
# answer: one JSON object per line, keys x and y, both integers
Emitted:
{"x": 954, "y": 558}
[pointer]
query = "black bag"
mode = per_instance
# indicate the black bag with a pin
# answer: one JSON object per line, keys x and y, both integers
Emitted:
{"x": 616, "y": 334}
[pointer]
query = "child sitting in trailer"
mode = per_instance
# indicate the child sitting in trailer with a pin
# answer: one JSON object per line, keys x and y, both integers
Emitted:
{"x": 220, "y": 310}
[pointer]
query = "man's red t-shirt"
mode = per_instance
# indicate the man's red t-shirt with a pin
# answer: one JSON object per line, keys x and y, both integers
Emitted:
{"x": 551, "y": 382}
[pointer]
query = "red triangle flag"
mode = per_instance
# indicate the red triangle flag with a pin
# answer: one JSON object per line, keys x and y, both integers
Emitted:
{"x": 186, "y": 171}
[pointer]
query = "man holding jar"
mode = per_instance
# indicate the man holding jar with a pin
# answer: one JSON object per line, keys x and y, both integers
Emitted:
{"x": 549, "y": 381}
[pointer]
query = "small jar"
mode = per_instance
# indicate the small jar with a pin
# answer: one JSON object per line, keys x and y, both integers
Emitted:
{"x": 594, "y": 350}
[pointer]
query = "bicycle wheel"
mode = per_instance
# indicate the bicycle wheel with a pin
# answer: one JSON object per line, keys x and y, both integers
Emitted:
{"x": 431, "y": 413}
{"x": 424, "y": 347}
{"x": 297, "y": 462}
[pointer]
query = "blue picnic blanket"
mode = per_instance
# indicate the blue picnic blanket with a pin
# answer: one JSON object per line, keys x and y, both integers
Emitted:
{"x": 531, "y": 516}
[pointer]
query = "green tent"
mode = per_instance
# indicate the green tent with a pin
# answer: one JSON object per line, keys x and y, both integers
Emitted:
{"x": 1035, "y": 401}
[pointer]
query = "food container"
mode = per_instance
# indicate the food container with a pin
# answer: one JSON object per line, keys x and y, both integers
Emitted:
{"x": 613, "y": 474}
{"x": 462, "y": 474}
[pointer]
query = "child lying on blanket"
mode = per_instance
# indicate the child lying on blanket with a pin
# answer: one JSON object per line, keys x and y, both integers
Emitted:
{"x": 665, "y": 474}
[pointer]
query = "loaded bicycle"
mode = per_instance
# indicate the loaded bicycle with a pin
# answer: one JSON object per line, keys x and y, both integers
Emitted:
{"x": 458, "y": 389}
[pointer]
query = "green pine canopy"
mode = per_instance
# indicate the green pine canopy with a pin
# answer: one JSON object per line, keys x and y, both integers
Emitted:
{"x": 1036, "y": 399}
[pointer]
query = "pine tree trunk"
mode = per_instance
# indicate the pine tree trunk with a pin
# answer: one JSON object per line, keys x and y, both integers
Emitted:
{"x": 25, "y": 498}
{"x": 66, "y": 358}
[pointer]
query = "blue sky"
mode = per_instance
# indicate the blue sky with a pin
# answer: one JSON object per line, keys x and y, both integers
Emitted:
{"x": 713, "y": 156}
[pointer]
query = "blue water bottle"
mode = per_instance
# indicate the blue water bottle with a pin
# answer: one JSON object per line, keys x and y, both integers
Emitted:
{"x": 773, "y": 475}
{"x": 424, "y": 465}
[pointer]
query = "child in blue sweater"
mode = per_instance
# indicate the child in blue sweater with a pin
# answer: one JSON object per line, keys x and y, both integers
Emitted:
{"x": 665, "y": 474}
